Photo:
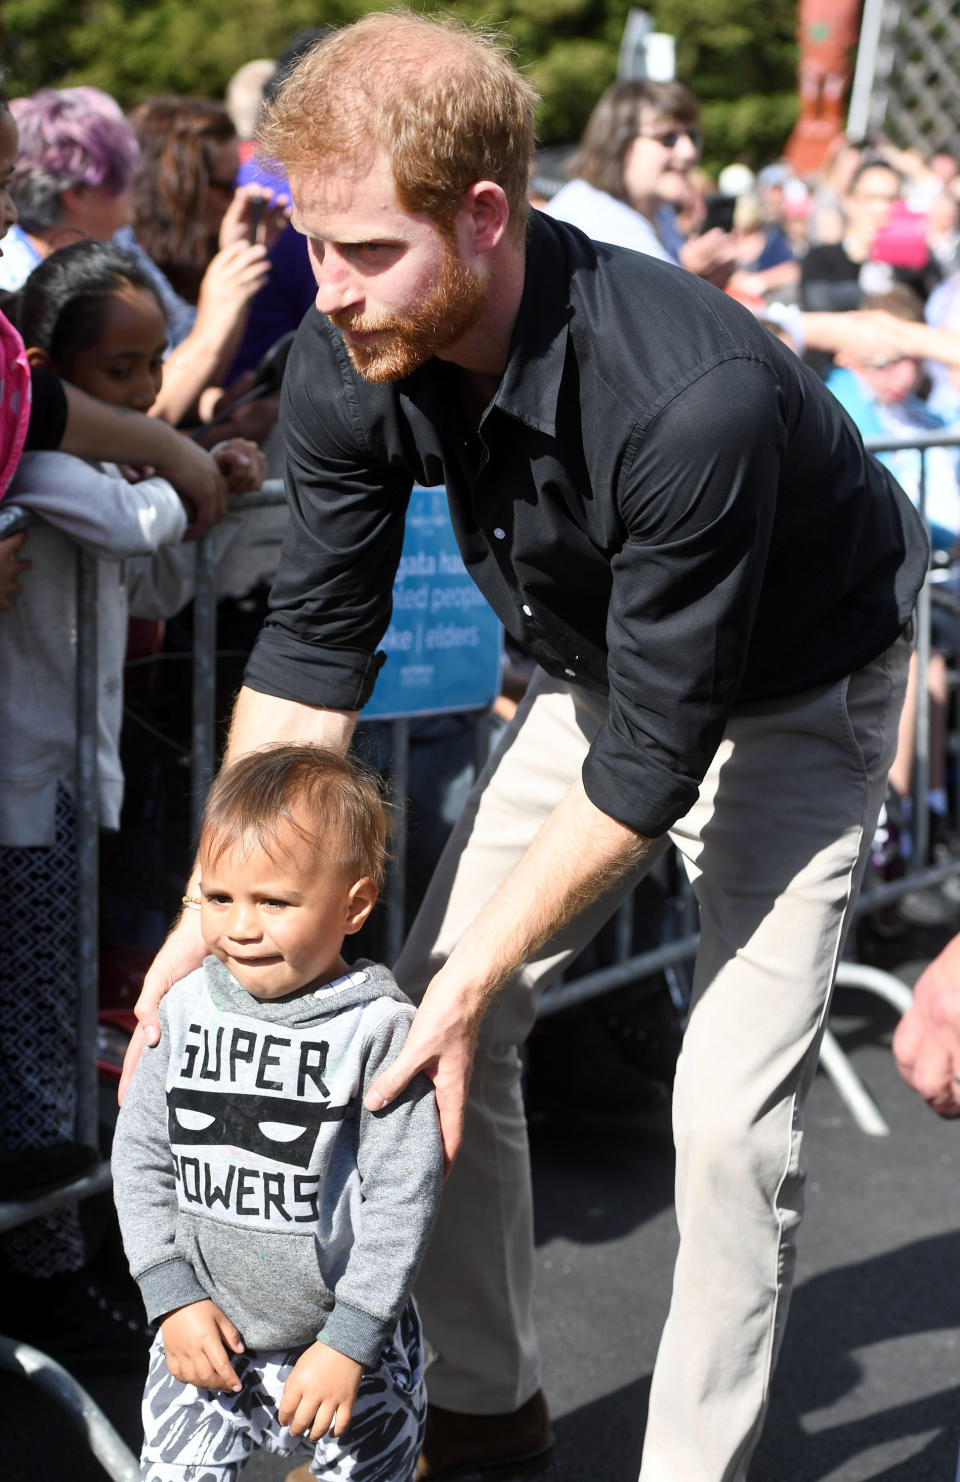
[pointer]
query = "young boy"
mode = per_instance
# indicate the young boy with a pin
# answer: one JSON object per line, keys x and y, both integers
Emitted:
{"x": 882, "y": 400}
{"x": 274, "y": 1225}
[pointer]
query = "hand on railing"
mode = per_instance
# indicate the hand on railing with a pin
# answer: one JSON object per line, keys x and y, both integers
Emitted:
{"x": 242, "y": 464}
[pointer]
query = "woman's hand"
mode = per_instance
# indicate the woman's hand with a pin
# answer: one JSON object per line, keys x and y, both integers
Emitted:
{"x": 254, "y": 214}
{"x": 233, "y": 278}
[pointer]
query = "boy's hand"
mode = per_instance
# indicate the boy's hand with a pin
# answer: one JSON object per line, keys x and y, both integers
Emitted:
{"x": 320, "y": 1392}
{"x": 195, "y": 1340}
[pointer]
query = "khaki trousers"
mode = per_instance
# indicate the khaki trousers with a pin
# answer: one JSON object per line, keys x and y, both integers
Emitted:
{"x": 775, "y": 847}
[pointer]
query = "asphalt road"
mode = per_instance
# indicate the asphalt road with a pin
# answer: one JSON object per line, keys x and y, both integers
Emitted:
{"x": 867, "y": 1383}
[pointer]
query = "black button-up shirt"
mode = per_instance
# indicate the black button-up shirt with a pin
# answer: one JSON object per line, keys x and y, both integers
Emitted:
{"x": 661, "y": 503}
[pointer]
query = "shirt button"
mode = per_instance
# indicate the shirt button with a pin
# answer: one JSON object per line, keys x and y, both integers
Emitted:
{"x": 528, "y": 610}
{"x": 570, "y": 673}
{"x": 500, "y": 534}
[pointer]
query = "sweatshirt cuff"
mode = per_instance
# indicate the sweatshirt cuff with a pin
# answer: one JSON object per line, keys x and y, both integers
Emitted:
{"x": 169, "y": 1285}
{"x": 357, "y": 1334}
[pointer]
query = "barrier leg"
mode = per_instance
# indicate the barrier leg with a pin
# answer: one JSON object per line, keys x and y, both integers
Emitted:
{"x": 850, "y": 1088}
{"x": 113, "y": 1454}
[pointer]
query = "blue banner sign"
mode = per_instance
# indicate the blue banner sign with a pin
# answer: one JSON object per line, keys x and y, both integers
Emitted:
{"x": 444, "y": 643}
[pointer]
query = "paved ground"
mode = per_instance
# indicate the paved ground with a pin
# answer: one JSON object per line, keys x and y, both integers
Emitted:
{"x": 867, "y": 1384}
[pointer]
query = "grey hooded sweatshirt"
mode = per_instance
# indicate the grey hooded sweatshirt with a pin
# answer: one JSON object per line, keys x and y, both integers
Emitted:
{"x": 247, "y": 1170}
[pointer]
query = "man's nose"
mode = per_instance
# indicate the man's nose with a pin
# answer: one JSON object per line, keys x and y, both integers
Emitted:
{"x": 337, "y": 284}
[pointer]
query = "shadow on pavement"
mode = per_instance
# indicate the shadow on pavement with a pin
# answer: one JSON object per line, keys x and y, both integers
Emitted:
{"x": 906, "y": 1293}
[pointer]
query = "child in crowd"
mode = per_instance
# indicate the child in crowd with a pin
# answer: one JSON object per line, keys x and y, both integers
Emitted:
{"x": 884, "y": 401}
{"x": 89, "y": 314}
{"x": 273, "y": 1224}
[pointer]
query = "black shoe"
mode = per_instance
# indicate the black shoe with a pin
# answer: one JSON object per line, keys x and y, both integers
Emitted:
{"x": 514, "y": 1447}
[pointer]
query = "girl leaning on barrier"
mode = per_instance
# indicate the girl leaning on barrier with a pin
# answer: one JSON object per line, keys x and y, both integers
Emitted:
{"x": 90, "y": 316}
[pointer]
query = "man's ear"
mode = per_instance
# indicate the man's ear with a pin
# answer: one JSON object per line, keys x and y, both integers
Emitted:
{"x": 360, "y": 901}
{"x": 36, "y": 356}
{"x": 484, "y": 215}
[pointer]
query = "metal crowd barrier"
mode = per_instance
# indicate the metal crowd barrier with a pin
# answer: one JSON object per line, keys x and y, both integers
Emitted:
{"x": 628, "y": 967}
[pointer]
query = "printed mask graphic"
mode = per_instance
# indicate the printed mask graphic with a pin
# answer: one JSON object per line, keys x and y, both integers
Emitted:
{"x": 272, "y": 1126}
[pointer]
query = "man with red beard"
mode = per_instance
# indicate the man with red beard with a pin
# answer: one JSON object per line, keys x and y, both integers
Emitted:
{"x": 669, "y": 511}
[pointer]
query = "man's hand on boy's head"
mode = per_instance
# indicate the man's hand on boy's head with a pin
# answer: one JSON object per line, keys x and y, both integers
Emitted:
{"x": 320, "y": 1392}
{"x": 196, "y": 1340}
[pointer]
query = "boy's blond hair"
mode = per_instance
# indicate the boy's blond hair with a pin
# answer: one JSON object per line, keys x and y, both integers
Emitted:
{"x": 443, "y": 102}
{"x": 327, "y": 799}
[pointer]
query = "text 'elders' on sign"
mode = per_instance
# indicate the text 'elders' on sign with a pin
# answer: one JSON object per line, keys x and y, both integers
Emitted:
{"x": 443, "y": 644}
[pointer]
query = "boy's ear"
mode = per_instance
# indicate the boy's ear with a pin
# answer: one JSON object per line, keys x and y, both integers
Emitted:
{"x": 36, "y": 356}
{"x": 361, "y": 899}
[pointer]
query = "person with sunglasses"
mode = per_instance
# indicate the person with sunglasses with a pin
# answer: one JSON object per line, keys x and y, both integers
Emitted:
{"x": 630, "y": 175}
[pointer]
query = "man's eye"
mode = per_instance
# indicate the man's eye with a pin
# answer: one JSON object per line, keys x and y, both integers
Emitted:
{"x": 217, "y": 900}
{"x": 118, "y": 373}
{"x": 377, "y": 253}
{"x": 277, "y": 905}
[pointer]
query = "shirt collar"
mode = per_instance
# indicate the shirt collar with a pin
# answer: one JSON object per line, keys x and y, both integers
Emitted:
{"x": 530, "y": 387}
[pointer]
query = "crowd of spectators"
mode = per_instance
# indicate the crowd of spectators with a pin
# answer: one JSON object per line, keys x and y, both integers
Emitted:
{"x": 147, "y": 261}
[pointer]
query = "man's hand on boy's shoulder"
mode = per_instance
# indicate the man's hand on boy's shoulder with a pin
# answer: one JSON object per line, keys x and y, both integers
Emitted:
{"x": 196, "y": 1340}
{"x": 320, "y": 1392}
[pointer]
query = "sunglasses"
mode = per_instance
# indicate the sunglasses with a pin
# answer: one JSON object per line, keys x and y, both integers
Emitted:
{"x": 670, "y": 138}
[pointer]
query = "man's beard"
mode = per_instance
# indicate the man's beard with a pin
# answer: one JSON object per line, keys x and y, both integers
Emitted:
{"x": 406, "y": 342}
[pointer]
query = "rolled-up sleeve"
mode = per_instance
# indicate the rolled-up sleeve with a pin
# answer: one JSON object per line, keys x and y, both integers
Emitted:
{"x": 698, "y": 502}
{"x": 332, "y": 598}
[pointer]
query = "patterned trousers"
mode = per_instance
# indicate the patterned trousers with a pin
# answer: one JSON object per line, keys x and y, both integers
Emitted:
{"x": 207, "y": 1435}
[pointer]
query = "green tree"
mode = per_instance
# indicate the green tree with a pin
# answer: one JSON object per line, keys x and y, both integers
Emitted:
{"x": 738, "y": 55}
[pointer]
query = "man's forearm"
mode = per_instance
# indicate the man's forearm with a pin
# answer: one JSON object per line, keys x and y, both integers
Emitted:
{"x": 578, "y": 854}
